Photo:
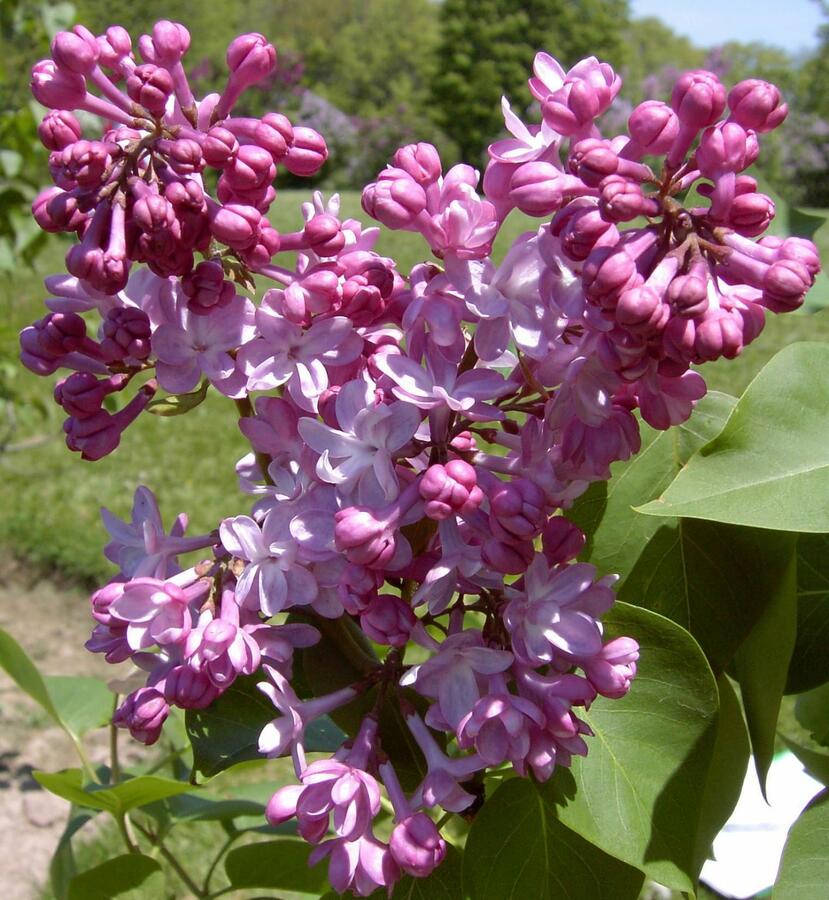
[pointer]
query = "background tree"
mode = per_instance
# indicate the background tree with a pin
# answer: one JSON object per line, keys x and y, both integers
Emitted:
{"x": 487, "y": 45}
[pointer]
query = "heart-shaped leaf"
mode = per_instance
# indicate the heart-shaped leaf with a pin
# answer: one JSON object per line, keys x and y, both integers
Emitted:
{"x": 118, "y": 799}
{"x": 119, "y": 877}
{"x": 616, "y": 534}
{"x": 639, "y": 790}
{"x": 280, "y": 864}
{"x": 804, "y": 868}
{"x": 769, "y": 467}
{"x": 809, "y": 666}
{"x": 518, "y": 848}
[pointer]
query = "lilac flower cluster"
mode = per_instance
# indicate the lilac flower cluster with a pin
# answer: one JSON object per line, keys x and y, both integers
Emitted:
{"x": 414, "y": 440}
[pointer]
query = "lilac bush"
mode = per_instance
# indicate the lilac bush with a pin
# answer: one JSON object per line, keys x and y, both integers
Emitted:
{"x": 416, "y": 438}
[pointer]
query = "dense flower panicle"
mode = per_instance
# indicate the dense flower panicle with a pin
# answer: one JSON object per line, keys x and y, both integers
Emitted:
{"x": 415, "y": 438}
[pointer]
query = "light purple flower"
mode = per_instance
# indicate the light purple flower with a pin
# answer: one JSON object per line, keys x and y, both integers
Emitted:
{"x": 331, "y": 791}
{"x": 457, "y": 674}
{"x": 361, "y": 866}
{"x": 358, "y": 456}
{"x": 439, "y": 385}
{"x": 557, "y": 612}
{"x": 142, "y": 547}
{"x": 272, "y": 580}
{"x": 197, "y": 345}
{"x": 157, "y": 612}
{"x": 287, "y": 354}
{"x": 219, "y": 647}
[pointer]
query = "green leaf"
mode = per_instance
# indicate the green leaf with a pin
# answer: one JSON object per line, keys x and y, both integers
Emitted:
{"x": 120, "y": 798}
{"x": 82, "y": 703}
{"x": 76, "y": 704}
{"x": 445, "y": 883}
{"x": 812, "y": 712}
{"x": 518, "y": 848}
{"x": 769, "y": 467}
{"x": 199, "y": 808}
{"x": 25, "y": 674}
{"x": 227, "y": 732}
{"x": 715, "y": 580}
{"x": 800, "y": 741}
{"x": 809, "y": 667}
{"x": 62, "y": 868}
{"x": 119, "y": 877}
{"x": 616, "y": 534}
{"x": 726, "y": 773}
{"x": 804, "y": 868}
{"x": 761, "y": 665}
{"x": 178, "y": 404}
{"x": 280, "y": 864}
{"x": 638, "y": 791}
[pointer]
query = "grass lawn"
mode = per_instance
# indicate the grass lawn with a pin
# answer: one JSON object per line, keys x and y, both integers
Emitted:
{"x": 50, "y": 498}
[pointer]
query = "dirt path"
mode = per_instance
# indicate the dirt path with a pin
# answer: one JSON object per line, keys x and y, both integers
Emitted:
{"x": 51, "y": 624}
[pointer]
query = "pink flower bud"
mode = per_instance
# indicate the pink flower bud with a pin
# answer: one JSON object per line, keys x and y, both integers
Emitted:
{"x": 395, "y": 199}
{"x": 364, "y": 539}
{"x": 250, "y": 58}
{"x": 417, "y": 846}
{"x": 275, "y": 134}
{"x": 593, "y": 160}
{"x": 58, "y": 129}
{"x": 250, "y": 168}
{"x": 802, "y": 251}
{"x": 723, "y": 148}
{"x": 641, "y": 309}
{"x": 607, "y": 272}
{"x": 581, "y": 229}
{"x": 612, "y": 671}
{"x": 307, "y": 153}
{"x": 561, "y": 540}
{"x": 757, "y": 105}
{"x": 623, "y": 200}
{"x": 653, "y": 125}
{"x": 219, "y": 147}
{"x": 536, "y": 188}
{"x": 57, "y": 88}
{"x": 143, "y": 712}
{"x": 751, "y": 214}
{"x": 324, "y": 234}
{"x": 57, "y": 210}
{"x": 388, "y": 620}
{"x": 150, "y": 86}
{"x": 206, "y": 288}
{"x": 420, "y": 161}
{"x": 168, "y": 44}
{"x": 719, "y": 334}
{"x": 698, "y": 99}
{"x": 449, "y": 490}
{"x": 587, "y": 92}
{"x": 517, "y": 510}
{"x": 785, "y": 285}
{"x": 688, "y": 294}
{"x": 235, "y": 225}
{"x": 189, "y": 689}
{"x": 73, "y": 53}
{"x": 85, "y": 162}
{"x": 126, "y": 334}
{"x": 81, "y": 394}
{"x": 114, "y": 46}
{"x": 184, "y": 155}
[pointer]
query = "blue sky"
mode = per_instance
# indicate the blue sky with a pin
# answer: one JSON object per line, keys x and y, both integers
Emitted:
{"x": 790, "y": 24}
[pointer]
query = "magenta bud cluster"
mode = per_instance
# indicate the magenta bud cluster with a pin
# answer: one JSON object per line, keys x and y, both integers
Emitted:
{"x": 416, "y": 439}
